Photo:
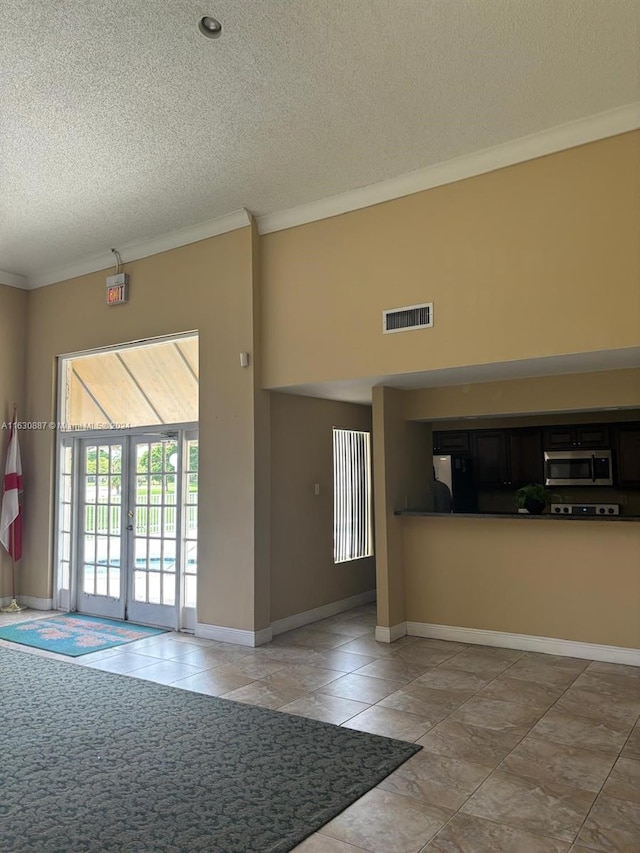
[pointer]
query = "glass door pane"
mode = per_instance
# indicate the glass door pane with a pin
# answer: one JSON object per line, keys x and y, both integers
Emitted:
{"x": 154, "y": 531}
{"x": 101, "y": 579}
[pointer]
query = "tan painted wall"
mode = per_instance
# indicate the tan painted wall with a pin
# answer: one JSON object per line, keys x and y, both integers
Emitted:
{"x": 506, "y": 258}
{"x": 569, "y": 580}
{"x": 209, "y": 287}
{"x": 403, "y": 472}
{"x": 303, "y": 574}
{"x": 566, "y": 393}
{"x": 13, "y": 308}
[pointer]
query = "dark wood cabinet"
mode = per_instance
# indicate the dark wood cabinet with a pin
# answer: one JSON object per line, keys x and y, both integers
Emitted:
{"x": 584, "y": 436}
{"x": 491, "y": 458}
{"x": 451, "y": 442}
{"x": 526, "y": 456}
{"x": 628, "y": 455}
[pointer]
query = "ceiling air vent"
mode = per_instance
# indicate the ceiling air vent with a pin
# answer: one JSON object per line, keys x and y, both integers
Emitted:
{"x": 409, "y": 317}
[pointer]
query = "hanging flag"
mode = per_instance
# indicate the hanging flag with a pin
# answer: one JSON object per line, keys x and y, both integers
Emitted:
{"x": 11, "y": 514}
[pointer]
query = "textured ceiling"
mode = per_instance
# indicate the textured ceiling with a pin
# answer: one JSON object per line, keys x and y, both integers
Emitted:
{"x": 119, "y": 121}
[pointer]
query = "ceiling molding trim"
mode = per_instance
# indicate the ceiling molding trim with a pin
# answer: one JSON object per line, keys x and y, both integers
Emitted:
{"x": 600, "y": 126}
{"x": 143, "y": 248}
{"x": 12, "y": 279}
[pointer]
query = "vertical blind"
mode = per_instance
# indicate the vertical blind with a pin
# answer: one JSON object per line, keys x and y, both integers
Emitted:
{"x": 352, "y": 533}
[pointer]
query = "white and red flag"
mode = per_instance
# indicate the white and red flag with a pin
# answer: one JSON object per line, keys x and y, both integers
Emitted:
{"x": 11, "y": 514}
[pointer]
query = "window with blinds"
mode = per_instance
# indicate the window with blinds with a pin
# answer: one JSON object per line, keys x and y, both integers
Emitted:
{"x": 352, "y": 528}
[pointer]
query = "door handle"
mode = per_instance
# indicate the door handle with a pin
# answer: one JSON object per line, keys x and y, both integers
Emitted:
{"x": 129, "y": 526}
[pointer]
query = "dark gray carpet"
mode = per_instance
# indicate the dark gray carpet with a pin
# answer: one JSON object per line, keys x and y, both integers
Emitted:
{"x": 97, "y": 763}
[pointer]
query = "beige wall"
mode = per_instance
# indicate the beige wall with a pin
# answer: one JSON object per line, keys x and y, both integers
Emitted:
{"x": 210, "y": 287}
{"x": 506, "y": 257}
{"x": 567, "y": 393}
{"x": 303, "y": 574}
{"x": 403, "y": 472}
{"x": 575, "y": 580}
{"x": 13, "y": 308}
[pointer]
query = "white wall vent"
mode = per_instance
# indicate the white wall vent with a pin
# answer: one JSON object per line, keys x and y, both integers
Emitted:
{"x": 409, "y": 317}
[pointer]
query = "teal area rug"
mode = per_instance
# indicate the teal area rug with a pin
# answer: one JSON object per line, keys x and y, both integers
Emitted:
{"x": 102, "y": 763}
{"x": 74, "y": 634}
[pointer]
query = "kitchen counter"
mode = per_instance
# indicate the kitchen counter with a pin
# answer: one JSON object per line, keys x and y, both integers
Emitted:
{"x": 545, "y": 516}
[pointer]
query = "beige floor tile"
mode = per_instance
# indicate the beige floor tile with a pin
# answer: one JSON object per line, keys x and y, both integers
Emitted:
{"x": 432, "y": 705}
{"x": 555, "y": 762}
{"x": 312, "y": 638}
{"x": 599, "y": 706}
{"x": 301, "y": 677}
{"x": 632, "y": 746}
{"x": 369, "y": 646}
{"x": 609, "y": 684}
{"x": 613, "y": 826}
{"x": 425, "y": 655}
{"x": 471, "y": 743}
{"x": 436, "y": 779}
{"x": 390, "y": 723}
{"x": 344, "y": 661}
{"x": 214, "y": 682}
{"x": 613, "y": 669}
{"x": 166, "y": 671}
{"x": 443, "y": 678}
{"x": 383, "y": 822}
{"x": 329, "y": 709}
{"x": 323, "y": 844}
{"x": 264, "y": 695}
{"x": 548, "y": 809}
{"x": 209, "y": 656}
{"x": 257, "y": 667}
{"x": 624, "y": 782}
{"x": 170, "y": 650}
{"x": 124, "y": 662}
{"x": 538, "y": 696}
{"x": 547, "y": 669}
{"x": 290, "y": 654}
{"x": 497, "y": 715}
{"x": 392, "y": 668}
{"x": 469, "y": 834}
{"x": 361, "y": 688}
{"x": 475, "y": 660}
{"x": 607, "y": 736}
{"x": 339, "y": 625}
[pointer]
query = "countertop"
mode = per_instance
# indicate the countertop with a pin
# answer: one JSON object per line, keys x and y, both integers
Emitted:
{"x": 545, "y": 516}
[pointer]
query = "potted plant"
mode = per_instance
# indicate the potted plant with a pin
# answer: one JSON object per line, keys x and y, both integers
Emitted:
{"x": 533, "y": 498}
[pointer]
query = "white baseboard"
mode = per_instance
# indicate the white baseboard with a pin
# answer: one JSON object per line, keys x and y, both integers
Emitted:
{"x": 36, "y": 603}
{"x": 232, "y": 635}
{"x": 318, "y": 613}
{"x": 526, "y": 642}
{"x": 388, "y": 635}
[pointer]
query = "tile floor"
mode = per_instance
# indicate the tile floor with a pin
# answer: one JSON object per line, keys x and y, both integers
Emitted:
{"x": 522, "y": 752}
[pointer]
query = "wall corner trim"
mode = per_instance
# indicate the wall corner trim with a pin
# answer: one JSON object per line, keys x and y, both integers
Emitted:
{"x": 389, "y": 635}
{"x": 35, "y": 603}
{"x": 144, "y": 248}
{"x": 12, "y": 279}
{"x": 549, "y": 141}
{"x": 306, "y": 617}
{"x": 233, "y": 635}
{"x": 526, "y": 642}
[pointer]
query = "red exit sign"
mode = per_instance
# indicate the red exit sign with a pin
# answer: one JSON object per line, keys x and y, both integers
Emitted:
{"x": 117, "y": 289}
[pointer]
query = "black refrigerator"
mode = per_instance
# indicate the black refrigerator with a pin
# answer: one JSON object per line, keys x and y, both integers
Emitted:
{"x": 456, "y": 472}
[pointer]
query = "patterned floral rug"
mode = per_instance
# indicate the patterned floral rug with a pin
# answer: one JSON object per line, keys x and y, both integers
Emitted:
{"x": 104, "y": 763}
{"x": 74, "y": 634}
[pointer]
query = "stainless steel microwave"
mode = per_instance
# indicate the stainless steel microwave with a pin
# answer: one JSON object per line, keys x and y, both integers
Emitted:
{"x": 578, "y": 468}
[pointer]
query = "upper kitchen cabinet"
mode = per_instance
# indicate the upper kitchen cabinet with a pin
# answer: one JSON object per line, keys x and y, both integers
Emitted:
{"x": 451, "y": 442}
{"x": 526, "y": 456}
{"x": 491, "y": 457}
{"x": 583, "y": 436}
{"x": 628, "y": 447}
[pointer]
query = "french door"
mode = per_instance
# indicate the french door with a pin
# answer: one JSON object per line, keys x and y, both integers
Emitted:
{"x": 136, "y": 520}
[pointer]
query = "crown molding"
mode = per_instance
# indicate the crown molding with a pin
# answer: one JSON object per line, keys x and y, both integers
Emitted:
{"x": 600, "y": 126}
{"x": 12, "y": 279}
{"x": 143, "y": 248}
